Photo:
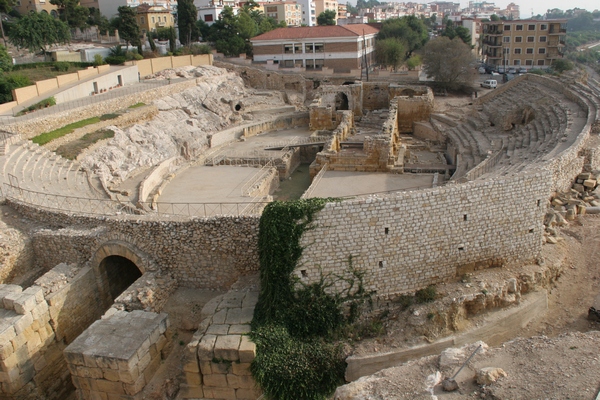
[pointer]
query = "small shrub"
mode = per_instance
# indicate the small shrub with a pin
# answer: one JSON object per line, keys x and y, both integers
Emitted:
{"x": 10, "y": 82}
{"x": 430, "y": 316}
{"x": 426, "y": 295}
{"x": 536, "y": 71}
{"x": 61, "y": 66}
{"x": 115, "y": 60}
{"x": 136, "y": 105}
{"x": 107, "y": 117}
{"x": 200, "y": 49}
{"x": 98, "y": 60}
{"x": 405, "y": 301}
{"x": 50, "y": 101}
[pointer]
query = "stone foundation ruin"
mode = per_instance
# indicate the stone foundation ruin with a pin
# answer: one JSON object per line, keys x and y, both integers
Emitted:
{"x": 493, "y": 170}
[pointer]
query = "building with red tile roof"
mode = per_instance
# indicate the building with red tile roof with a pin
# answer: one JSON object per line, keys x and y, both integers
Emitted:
{"x": 341, "y": 48}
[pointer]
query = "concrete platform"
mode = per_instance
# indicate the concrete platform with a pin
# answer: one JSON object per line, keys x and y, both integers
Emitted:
{"x": 259, "y": 142}
{"x": 345, "y": 184}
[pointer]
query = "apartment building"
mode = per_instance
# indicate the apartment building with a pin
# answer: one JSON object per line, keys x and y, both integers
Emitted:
{"x": 324, "y": 5}
{"x": 309, "y": 12}
{"x": 340, "y": 48}
{"x": 524, "y": 43}
{"x": 27, "y": 6}
{"x": 149, "y": 18}
{"x": 209, "y": 10}
{"x": 288, "y": 11}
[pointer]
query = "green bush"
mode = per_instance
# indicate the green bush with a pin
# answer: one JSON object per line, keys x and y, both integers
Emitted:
{"x": 115, "y": 60}
{"x": 287, "y": 368}
{"x": 561, "y": 65}
{"x": 98, "y": 60}
{"x": 61, "y": 66}
{"x": 50, "y": 101}
{"x": 51, "y": 64}
{"x": 10, "y": 82}
{"x": 426, "y": 295}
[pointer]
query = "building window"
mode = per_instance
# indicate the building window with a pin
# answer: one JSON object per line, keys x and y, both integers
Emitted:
{"x": 298, "y": 48}
{"x": 309, "y": 48}
{"x": 540, "y": 62}
{"x": 507, "y": 27}
{"x": 141, "y": 20}
{"x": 519, "y": 27}
{"x": 506, "y": 50}
{"x": 529, "y": 51}
{"x": 152, "y": 20}
{"x": 517, "y": 51}
{"x": 288, "y": 48}
{"x": 542, "y": 50}
{"x": 543, "y": 27}
{"x": 288, "y": 64}
{"x": 319, "y": 64}
{"x": 517, "y": 62}
{"x": 310, "y": 64}
{"x": 542, "y": 38}
{"x": 208, "y": 18}
{"x": 530, "y": 39}
{"x": 531, "y": 27}
{"x": 518, "y": 39}
{"x": 506, "y": 39}
{"x": 528, "y": 62}
{"x": 319, "y": 47}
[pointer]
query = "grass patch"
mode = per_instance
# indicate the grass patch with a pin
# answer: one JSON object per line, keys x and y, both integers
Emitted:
{"x": 426, "y": 295}
{"x": 107, "y": 117}
{"x": 46, "y": 72}
{"x": 137, "y": 105}
{"x": 65, "y": 130}
{"x": 72, "y": 149}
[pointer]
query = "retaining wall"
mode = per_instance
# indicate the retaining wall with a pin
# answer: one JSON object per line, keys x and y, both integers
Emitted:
{"x": 407, "y": 241}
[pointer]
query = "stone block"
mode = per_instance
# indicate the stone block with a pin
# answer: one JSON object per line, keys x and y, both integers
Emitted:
{"x": 9, "y": 299}
{"x": 241, "y": 368}
{"x": 590, "y": 183}
{"x": 36, "y": 291}
{"x": 151, "y": 368}
{"x": 6, "y": 349}
{"x": 193, "y": 378}
{"x": 233, "y": 381}
{"x": 215, "y": 380}
{"x": 111, "y": 375}
{"x": 23, "y": 323}
{"x": 24, "y": 303}
{"x": 96, "y": 395}
{"x": 40, "y": 311}
{"x": 226, "y": 347}
{"x": 220, "y": 367}
{"x": 219, "y": 393}
{"x": 131, "y": 376}
{"x": 217, "y": 329}
{"x": 206, "y": 367}
{"x": 239, "y": 329}
{"x": 144, "y": 361}
{"x": 136, "y": 387}
{"x": 206, "y": 347}
{"x": 246, "y": 382}
{"x": 247, "y": 394}
{"x": 110, "y": 387}
{"x": 7, "y": 334}
{"x": 247, "y": 350}
{"x": 191, "y": 367}
{"x": 190, "y": 392}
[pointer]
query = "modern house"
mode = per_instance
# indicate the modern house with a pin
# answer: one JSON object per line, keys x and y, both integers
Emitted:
{"x": 524, "y": 43}
{"x": 288, "y": 11}
{"x": 341, "y": 48}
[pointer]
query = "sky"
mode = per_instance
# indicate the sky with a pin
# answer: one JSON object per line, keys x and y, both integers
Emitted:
{"x": 538, "y": 6}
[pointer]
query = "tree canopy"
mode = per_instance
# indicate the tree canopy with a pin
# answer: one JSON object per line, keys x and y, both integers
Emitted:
{"x": 327, "y": 17}
{"x": 36, "y": 31}
{"x": 73, "y": 14}
{"x": 451, "y": 31}
{"x": 5, "y": 60}
{"x": 411, "y": 30}
{"x": 231, "y": 33}
{"x": 448, "y": 62}
{"x": 390, "y": 52}
{"x": 186, "y": 21}
{"x": 7, "y": 5}
{"x": 127, "y": 25}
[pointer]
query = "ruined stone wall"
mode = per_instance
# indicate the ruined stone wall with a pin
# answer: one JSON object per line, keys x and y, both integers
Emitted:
{"x": 375, "y": 96}
{"x": 321, "y": 117}
{"x": 50, "y": 250}
{"x": 261, "y": 79}
{"x": 406, "y": 241}
{"x": 73, "y": 300}
{"x": 32, "y": 365}
{"x": 413, "y": 108}
{"x": 200, "y": 252}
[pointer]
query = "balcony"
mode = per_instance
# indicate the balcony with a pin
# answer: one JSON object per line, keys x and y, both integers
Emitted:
{"x": 556, "y": 43}
{"x": 492, "y": 55}
{"x": 492, "y": 43}
{"x": 556, "y": 31}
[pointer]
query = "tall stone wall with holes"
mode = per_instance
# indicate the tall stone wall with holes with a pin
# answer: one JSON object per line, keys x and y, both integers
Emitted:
{"x": 50, "y": 249}
{"x": 413, "y": 106}
{"x": 375, "y": 96}
{"x": 406, "y": 241}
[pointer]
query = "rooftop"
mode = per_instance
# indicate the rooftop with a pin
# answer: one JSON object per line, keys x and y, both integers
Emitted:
{"x": 307, "y": 32}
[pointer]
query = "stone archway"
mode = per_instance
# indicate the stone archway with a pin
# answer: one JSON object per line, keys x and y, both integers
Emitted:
{"x": 117, "y": 265}
{"x": 341, "y": 101}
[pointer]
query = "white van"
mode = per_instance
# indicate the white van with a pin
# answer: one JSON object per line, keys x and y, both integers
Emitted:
{"x": 489, "y": 83}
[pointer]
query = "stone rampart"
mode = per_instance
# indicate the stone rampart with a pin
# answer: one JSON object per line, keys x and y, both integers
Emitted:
{"x": 406, "y": 241}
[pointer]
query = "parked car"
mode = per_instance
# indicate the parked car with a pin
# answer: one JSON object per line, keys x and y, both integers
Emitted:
{"x": 522, "y": 70}
{"x": 501, "y": 70}
{"x": 481, "y": 70}
{"x": 489, "y": 84}
{"x": 512, "y": 71}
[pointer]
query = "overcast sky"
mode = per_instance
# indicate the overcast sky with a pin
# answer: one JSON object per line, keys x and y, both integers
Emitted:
{"x": 538, "y": 6}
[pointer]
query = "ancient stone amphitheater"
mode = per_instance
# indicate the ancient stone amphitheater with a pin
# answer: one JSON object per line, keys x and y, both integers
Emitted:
{"x": 82, "y": 297}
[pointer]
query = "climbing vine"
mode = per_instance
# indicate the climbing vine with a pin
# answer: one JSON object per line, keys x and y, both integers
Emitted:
{"x": 294, "y": 324}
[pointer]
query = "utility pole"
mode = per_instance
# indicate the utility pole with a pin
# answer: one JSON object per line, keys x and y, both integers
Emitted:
{"x": 365, "y": 56}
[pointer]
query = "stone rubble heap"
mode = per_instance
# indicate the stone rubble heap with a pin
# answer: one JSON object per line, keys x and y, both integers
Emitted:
{"x": 582, "y": 199}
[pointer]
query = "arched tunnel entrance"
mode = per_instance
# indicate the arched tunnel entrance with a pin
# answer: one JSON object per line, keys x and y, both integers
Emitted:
{"x": 120, "y": 273}
{"x": 341, "y": 102}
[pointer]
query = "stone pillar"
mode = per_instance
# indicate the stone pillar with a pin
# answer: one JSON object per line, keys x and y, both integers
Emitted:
{"x": 117, "y": 356}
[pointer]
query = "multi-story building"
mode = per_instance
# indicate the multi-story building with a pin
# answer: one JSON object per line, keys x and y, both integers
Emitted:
{"x": 26, "y": 6}
{"x": 309, "y": 12}
{"x": 324, "y": 5}
{"x": 524, "y": 43}
{"x": 288, "y": 11}
{"x": 341, "y": 48}
{"x": 149, "y": 18}
{"x": 342, "y": 11}
{"x": 209, "y": 10}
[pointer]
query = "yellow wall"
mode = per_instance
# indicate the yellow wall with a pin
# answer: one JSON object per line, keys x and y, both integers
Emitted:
{"x": 66, "y": 79}
{"x": 182, "y": 61}
{"x": 25, "y": 93}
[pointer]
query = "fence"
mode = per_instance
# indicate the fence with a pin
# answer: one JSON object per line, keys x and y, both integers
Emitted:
{"x": 89, "y": 206}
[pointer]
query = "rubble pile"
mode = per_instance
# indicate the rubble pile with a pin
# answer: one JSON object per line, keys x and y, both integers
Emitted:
{"x": 582, "y": 199}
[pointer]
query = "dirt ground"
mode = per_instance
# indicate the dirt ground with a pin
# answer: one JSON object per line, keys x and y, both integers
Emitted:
{"x": 554, "y": 357}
